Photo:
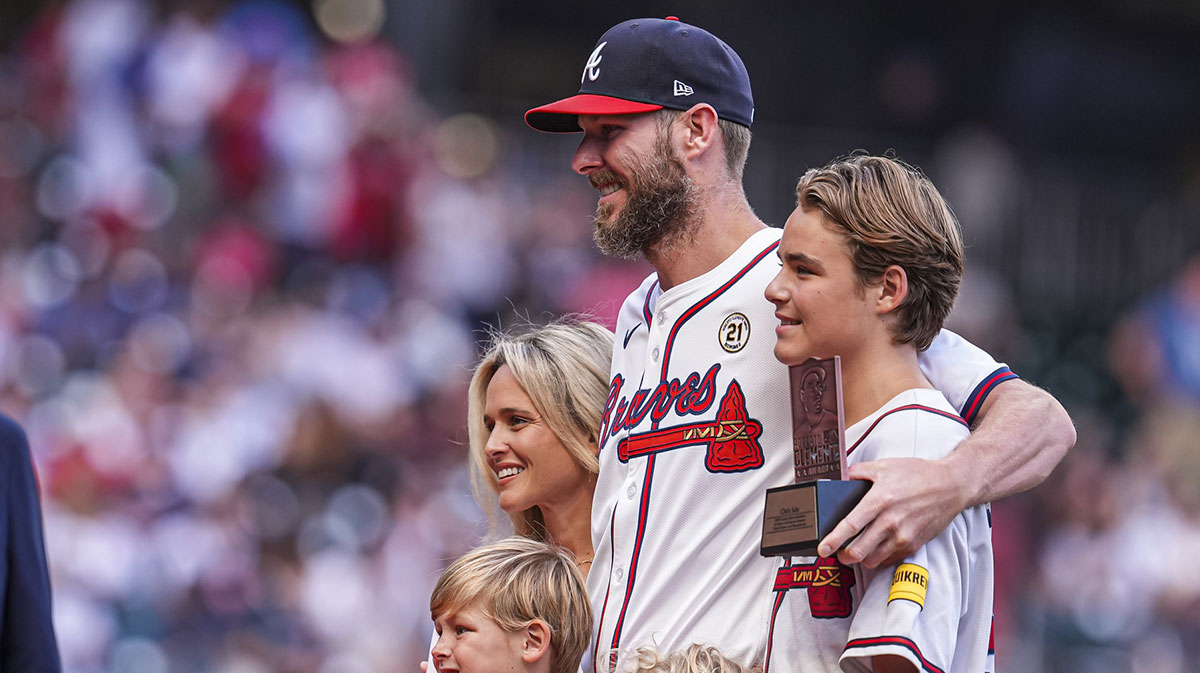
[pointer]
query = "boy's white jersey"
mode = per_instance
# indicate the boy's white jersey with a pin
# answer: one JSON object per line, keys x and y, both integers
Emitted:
{"x": 934, "y": 608}
{"x": 696, "y": 427}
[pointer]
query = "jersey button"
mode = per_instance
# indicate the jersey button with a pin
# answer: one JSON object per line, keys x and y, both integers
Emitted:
{"x": 631, "y": 491}
{"x": 619, "y": 573}
{"x": 654, "y": 354}
{"x": 662, "y": 318}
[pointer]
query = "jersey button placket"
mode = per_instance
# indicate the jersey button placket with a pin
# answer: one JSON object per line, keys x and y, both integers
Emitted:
{"x": 657, "y": 333}
{"x": 660, "y": 322}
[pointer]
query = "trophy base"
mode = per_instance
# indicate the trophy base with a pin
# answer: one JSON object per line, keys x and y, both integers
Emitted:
{"x": 798, "y": 516}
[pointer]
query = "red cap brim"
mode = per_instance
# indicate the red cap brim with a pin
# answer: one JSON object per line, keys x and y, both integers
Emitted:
{"x": 563, "y": 116}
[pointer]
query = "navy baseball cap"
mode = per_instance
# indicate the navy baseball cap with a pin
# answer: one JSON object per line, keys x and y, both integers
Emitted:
{"x": 642, "y": 65}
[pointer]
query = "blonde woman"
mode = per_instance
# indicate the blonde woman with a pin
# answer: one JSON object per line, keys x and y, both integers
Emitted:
{"x": 534, "y": 407}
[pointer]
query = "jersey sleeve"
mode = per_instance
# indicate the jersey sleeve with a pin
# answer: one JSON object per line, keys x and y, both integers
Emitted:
{"x": 963, "y": 372}
{"x": 912, "y": 609}
{"x": 921, "y": 608}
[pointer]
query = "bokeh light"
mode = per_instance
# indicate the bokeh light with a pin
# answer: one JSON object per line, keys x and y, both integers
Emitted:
{"x": 65, "y": 188}
{"x": 138, "y": 655}
{"x": 138, "y": 283}
{"x": 350, "y": 21}
{"x": 357, "y": 516}
{"x": 51, "y": 275}
{"x": 146, "y": 196}
{"x": 159, "y": 344}
{"x": 466, "y": 146}
{"x": 89, "y": 243}
{"x": 40, "y": 365}
{"x": 21, "y": 146}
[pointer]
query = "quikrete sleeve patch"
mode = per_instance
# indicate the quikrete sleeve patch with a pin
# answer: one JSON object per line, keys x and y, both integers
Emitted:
{"x": 910, "y": 582}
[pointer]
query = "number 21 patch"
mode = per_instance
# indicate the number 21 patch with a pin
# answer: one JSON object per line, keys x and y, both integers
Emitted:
{"x": 735, "y": 332}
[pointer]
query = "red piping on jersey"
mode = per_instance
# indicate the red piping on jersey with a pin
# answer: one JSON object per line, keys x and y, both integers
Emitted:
{"x": 907, "y": 407}
{"x": 646, "y": 305}
{"x": 894, "y": 640}
{"x": 977, "y": 396}
{"x": 707, "y": 300}
{"x": 771, "y": 628}
{"x": 637, "y": 550}
{"x": 645, "y": 502}
{"x": 600, "y": 623}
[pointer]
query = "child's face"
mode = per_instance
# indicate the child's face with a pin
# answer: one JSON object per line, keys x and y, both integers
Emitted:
{"x": 821, "y": 306}
{"x": 471, "y": 642}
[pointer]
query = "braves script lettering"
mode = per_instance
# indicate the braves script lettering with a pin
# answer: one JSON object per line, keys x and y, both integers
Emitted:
{"x": 694, "y": 395}
{"x": 731, "y": 439}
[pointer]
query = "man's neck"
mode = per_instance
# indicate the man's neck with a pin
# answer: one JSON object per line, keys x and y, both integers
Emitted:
{"x": 722, "y": 230}
{"x": 875, "y": 374}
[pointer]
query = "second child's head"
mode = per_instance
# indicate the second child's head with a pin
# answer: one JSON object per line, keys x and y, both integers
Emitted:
{"x": 871, "y": 251}
{"x": 697, "y": 658}
{"x": 516, "y": 605}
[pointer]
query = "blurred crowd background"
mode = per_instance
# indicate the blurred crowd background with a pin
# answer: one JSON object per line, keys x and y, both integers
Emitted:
{"x": 248, "y": 251}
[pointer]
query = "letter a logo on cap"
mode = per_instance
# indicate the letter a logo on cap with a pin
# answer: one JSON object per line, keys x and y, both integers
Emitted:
{"x": 592, "y": 69}
{"x": 682, "y": 89}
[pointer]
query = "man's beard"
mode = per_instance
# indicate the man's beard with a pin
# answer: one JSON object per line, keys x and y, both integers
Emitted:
{"x": 661, "y": 204}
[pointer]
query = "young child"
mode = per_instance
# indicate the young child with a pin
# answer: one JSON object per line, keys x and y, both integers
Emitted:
{"x": 516, "y": 606}
{"x": 871, "y": 263}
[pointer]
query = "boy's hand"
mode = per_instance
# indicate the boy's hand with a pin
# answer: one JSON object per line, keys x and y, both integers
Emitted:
{"x": 911, "y": 501}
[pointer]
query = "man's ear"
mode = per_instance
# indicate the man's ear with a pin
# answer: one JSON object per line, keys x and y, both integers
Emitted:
{"x": 536, "y": 643}
{"x": 892, "y": 289}
{"x": 699, "y": 129}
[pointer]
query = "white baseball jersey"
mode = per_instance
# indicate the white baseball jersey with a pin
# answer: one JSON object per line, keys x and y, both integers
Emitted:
{"x": 696, "y": 427}
{"x": 934, "y": 608}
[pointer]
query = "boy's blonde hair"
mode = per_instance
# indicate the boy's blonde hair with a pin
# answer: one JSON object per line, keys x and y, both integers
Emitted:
{"x": 892, "y": 214}
{"x": 563, "y": 367}
{"x": 516, "y": 581}
{"x": 695, "y": 659}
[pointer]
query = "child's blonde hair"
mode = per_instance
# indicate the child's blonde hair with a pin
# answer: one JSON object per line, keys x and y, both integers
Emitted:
{"x": 516, "y": 581}
{"x": 696, "y": 658}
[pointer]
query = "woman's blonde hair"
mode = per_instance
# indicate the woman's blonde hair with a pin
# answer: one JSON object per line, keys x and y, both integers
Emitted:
{"x": 563, "y": 367}
{"x": 515, "y": 581}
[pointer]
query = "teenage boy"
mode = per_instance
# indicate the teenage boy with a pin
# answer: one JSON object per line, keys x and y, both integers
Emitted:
{"x": 871, "y": 260}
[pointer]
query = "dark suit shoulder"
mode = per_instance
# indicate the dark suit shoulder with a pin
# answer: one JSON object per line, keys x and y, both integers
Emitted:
{"x": 14, "y": 445}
